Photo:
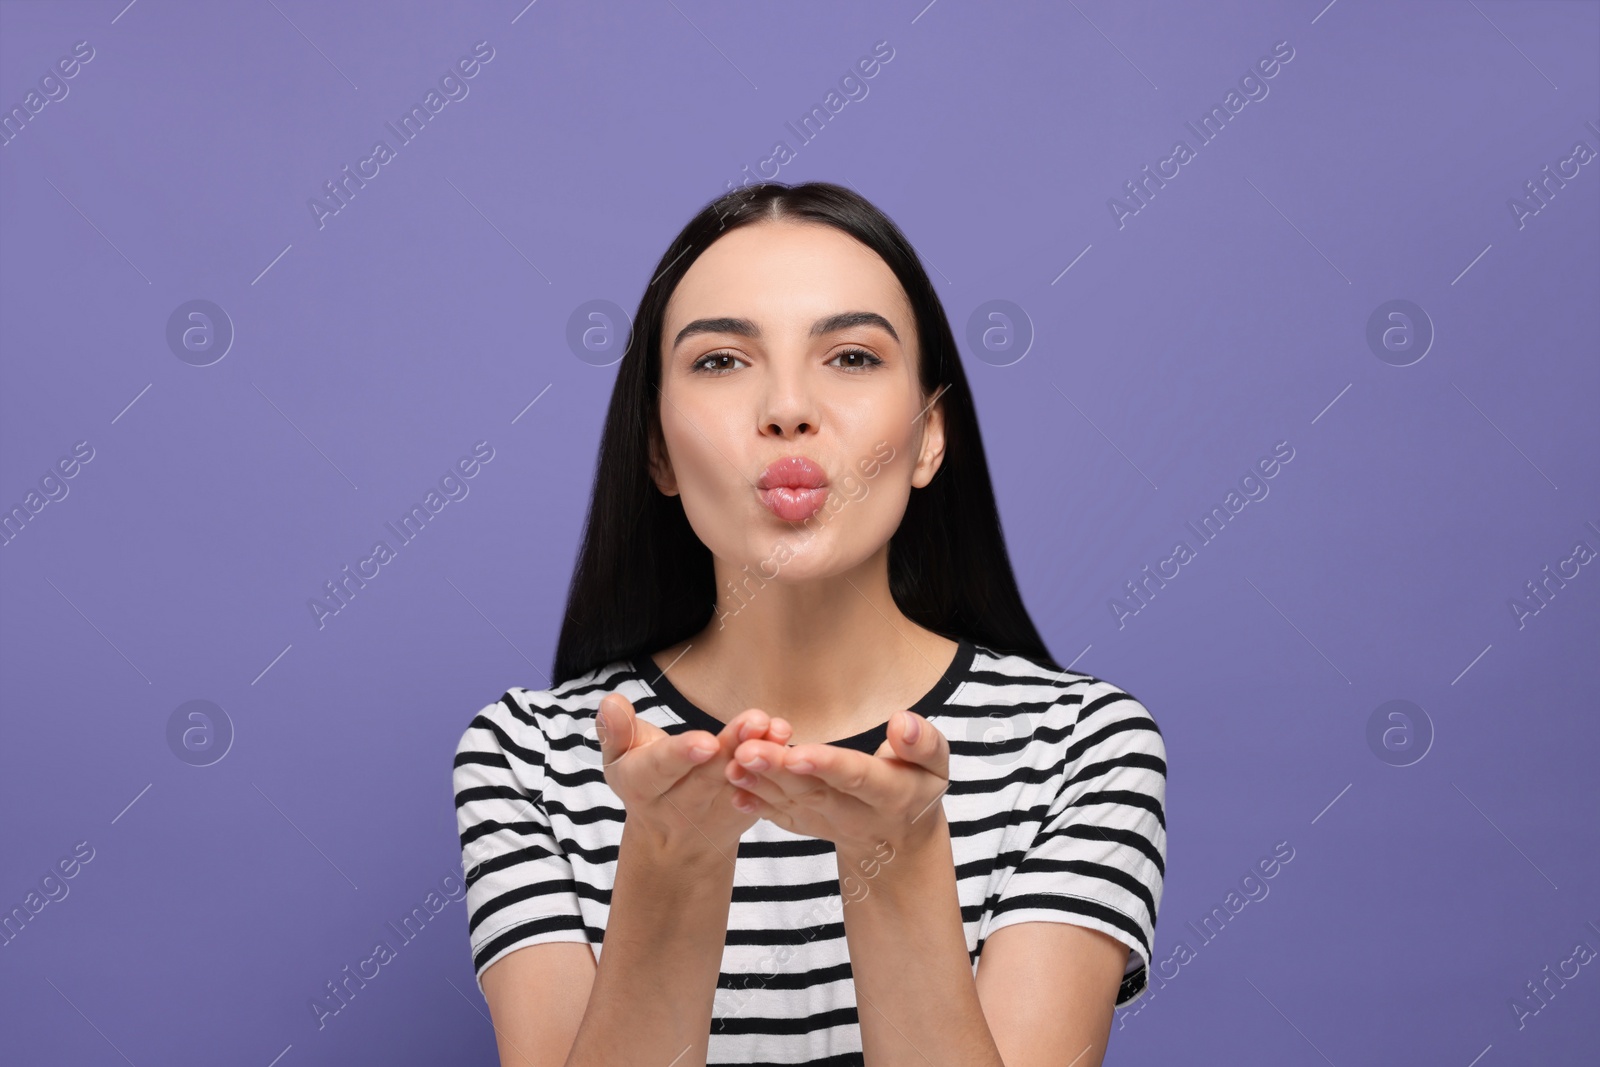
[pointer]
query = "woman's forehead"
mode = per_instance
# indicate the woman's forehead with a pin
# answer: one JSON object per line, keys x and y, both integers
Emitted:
{"x": 782, "y": 275}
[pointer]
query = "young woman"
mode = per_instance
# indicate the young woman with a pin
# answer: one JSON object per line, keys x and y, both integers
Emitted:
{"x": 807, "y": 770}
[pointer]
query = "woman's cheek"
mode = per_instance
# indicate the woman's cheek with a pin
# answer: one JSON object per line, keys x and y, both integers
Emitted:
{"x": 878, "y": 514}
{"x": 715, "y": 514}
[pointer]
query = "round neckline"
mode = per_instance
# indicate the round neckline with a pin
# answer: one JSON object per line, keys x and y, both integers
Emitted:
{"x": 867, "y": 741}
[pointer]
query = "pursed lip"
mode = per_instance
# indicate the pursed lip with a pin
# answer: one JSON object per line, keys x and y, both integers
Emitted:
{"x": 792, "y": 472}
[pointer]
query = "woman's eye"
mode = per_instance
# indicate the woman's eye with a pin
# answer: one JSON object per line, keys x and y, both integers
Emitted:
{"x": 868, "y": 360}
{"x": 715, "y": 363}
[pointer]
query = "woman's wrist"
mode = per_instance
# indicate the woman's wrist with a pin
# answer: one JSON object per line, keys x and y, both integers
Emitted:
{"x": 887, "y": 865}
{"x": 690, "y": 856}
{"x": 924, "y": 834}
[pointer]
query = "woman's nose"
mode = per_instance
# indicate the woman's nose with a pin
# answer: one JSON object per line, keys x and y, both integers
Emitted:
{"x": 788, "y": 408}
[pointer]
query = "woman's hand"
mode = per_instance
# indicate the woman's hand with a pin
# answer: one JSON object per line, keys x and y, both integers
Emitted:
{"x": 857, "y": 801}
{"x": 674, "y": 786}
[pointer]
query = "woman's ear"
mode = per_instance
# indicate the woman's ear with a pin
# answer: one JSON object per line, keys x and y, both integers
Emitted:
{"x": 661, "y": 466}
{"x": 931, "y": 454}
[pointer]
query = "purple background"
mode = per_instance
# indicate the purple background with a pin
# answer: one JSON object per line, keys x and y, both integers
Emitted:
{"x": 1228, "y": 314}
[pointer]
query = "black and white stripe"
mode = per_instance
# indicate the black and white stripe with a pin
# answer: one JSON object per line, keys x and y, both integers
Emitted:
{"x": 1055, "y": 807}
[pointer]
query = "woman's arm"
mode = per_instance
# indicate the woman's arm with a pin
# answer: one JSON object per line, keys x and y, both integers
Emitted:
{"x": 536, "y": 996}
{"x": 1043, "y": 994}
{"x": 915, "y": 996}
{"x": 1045, "y": 991}
{"x": 916, "y": 999}
{"x": 653, "y": 992}
{"x": 650, "y": 998}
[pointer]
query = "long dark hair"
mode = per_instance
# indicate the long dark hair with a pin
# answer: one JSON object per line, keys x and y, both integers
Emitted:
{"x": 644, "y": 581}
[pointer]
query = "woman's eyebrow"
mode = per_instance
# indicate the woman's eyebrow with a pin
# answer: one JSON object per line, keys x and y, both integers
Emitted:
{"x": 745, "y": 328}
{"x": 846, "y": 319}
{"x": 741, "y": 327}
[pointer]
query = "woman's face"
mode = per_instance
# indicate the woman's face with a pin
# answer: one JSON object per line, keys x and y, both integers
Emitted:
{"x": 790, "y": 339}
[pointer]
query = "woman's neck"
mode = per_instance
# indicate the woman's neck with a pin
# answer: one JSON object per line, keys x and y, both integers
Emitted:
{"x": 834, "y": 656}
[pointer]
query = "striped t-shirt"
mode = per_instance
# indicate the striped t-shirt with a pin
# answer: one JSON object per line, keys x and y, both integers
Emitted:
{"x": 1055, "y": 807}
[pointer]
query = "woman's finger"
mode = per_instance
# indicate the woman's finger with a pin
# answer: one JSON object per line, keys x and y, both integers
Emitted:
{"x": 677, "y": 755}
{"x": 764, "y": 760}
{"x": 866, "y": 778}
{"x": 667, "y": 757}
{"x": 752, "y": 788}
{"x": 751, "y": 722}
{"x": 916, "y": 740}
{"x": 618, "y": 728}
{"x": 752, "y": 804}
{"x": 844, "y": 769}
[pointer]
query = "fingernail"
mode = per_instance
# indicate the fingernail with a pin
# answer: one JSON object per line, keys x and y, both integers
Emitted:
{"x": 601, "y": 723}
{"x": 913, "y": 729}
{"x": 803, "y": 766}
{"x": 755, "y": 763}
{"x": 701, "y": 752}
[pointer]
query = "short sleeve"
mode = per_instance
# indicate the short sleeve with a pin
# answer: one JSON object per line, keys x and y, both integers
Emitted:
{"x": 520, "y": 886}
{"x": 1099, "y": 856}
